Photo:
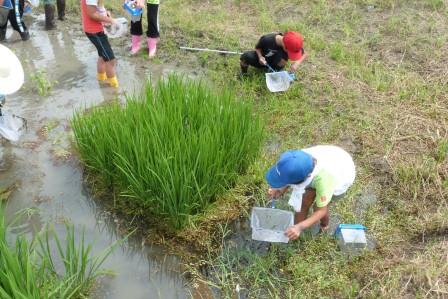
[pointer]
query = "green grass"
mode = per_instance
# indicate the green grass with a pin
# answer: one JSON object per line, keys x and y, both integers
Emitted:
{"x": 172, "y": 149}
{"x": 369, "y": 79}
{"x": 28, "y": 266}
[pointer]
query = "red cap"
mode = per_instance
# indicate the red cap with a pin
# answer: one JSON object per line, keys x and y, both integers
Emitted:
{"x": 293, "y": 44}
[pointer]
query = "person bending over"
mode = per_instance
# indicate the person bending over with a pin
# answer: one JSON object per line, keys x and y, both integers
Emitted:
{"x": 275, "y": 49}
{"x": 316, "y": 175}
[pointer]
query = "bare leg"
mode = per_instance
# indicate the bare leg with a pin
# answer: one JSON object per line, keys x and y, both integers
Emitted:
{"x": 101, "y": 66}
{"x": 307, "y": 202}
{"x": 110, "y": 68}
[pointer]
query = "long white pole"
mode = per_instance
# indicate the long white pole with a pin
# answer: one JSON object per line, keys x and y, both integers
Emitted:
{"x": 210, "y": 50}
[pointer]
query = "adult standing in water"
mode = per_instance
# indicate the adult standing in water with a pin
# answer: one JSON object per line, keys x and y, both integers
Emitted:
{"x": 50, "y": 10}
{"x": 152, "y": 35}
{"x": 275, "y": 49}
{"x": 14, "y": 10}
{"x": 316, "y": 175}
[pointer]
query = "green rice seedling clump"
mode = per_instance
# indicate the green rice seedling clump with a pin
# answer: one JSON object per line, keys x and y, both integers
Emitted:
{"x": 27, "y": 267}
{"x": 173, "y": 148}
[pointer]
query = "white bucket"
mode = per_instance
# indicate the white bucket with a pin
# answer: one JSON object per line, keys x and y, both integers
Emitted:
{"x": 269, "y": 224}
{"x": 278, "y": 81}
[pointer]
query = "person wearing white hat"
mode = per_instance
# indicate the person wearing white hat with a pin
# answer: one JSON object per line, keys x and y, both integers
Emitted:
{"x": 11, "y": 79}
{"x": 15, "y": 13}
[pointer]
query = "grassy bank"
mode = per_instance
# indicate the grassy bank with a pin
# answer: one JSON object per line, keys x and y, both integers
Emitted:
{"x": 374, "y": 83}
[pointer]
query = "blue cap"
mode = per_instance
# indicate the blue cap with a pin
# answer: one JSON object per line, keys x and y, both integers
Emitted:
{"x": 293, "y": 167}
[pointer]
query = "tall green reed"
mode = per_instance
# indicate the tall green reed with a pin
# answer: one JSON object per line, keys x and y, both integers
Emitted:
{"x": 172, "y": 149}
{"x": 28, "y": 271}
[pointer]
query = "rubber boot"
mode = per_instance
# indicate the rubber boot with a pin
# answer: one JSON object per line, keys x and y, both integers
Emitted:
{"x": 2, "y": 34}
{"x": 135, "y": 44}
{"x": 152, "y": 46}
{"x": 49, "y": 16}
{"x": 25, "y": 35}
{"x": 61, "y": 9}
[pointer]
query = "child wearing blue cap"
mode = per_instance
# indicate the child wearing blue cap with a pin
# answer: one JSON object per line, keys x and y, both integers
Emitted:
{"x": 315, "y": 175}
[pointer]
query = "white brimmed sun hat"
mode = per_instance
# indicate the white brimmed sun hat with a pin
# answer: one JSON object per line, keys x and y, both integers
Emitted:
{"x": 11, "y": 72}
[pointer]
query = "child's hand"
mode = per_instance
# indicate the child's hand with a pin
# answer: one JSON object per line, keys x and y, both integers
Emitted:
{"x": 112, "y": 21}
{"x": 293, "y": 232}
{"x": 275, "y": 193}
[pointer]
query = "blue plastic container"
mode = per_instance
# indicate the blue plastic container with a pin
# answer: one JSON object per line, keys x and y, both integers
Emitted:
{"x": 131, "y": 7}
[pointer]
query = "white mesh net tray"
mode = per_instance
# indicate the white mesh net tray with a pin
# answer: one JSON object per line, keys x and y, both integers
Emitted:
{"x": 278, "y": 81}
{"x": 269, "y": 224}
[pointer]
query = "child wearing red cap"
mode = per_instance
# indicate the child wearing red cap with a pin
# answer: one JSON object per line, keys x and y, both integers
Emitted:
{"x": 315, "y": 175}
{"x": 275, "y": 49}
{"x": 93, "y": 16}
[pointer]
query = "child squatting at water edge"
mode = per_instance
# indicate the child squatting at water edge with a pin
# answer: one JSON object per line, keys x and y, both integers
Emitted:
{"x": 316, "y": 175}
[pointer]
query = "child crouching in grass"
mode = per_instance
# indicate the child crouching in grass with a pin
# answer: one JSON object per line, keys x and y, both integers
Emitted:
{"x": 317, "y": 175}
{"x": 93, "y": 17}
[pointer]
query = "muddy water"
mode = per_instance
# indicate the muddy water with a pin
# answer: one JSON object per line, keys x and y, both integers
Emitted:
{"x": 49, "y": 178}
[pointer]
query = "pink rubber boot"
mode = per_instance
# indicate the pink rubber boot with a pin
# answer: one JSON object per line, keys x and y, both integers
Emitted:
{"x": 152, "y": 46}
{"x": 135, "y": 47}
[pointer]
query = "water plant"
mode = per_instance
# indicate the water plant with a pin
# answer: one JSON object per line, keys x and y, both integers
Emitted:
{"x": 43, "y": 85}
{"x": 172, "y": 149}
{"x": 28, "y": 267}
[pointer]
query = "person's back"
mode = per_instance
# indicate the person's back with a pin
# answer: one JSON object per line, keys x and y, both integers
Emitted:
{"x": 337, "y": 162}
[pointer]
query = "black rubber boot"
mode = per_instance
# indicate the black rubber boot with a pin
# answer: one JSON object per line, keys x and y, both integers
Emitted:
{"x": 61, "y": 9}
{"x": 49, "y": 16}
{"x": 2, "y": 34}
{"x": 25, "y": 35}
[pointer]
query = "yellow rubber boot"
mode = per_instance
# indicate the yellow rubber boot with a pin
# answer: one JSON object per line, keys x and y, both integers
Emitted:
{"x": 113, "y": 81}
{"x": 101, "y": 76}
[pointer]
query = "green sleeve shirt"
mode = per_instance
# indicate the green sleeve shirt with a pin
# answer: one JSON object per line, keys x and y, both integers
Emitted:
{"x": 153, "y": 1}
{"x": 324, "y": 184}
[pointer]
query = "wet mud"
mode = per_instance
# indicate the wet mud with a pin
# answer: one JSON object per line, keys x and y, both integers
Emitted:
{"x": 48, "y": 176}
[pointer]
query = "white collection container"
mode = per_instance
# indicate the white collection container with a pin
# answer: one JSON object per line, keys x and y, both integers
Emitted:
{"x": 269, "y": 224}
{"x": 351, "y": 237}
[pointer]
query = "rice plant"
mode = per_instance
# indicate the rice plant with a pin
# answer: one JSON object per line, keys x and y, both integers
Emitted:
{"x": 43, "y": 84}
{"x": 172, "y": 149}
{"x": 27, "y": 268}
